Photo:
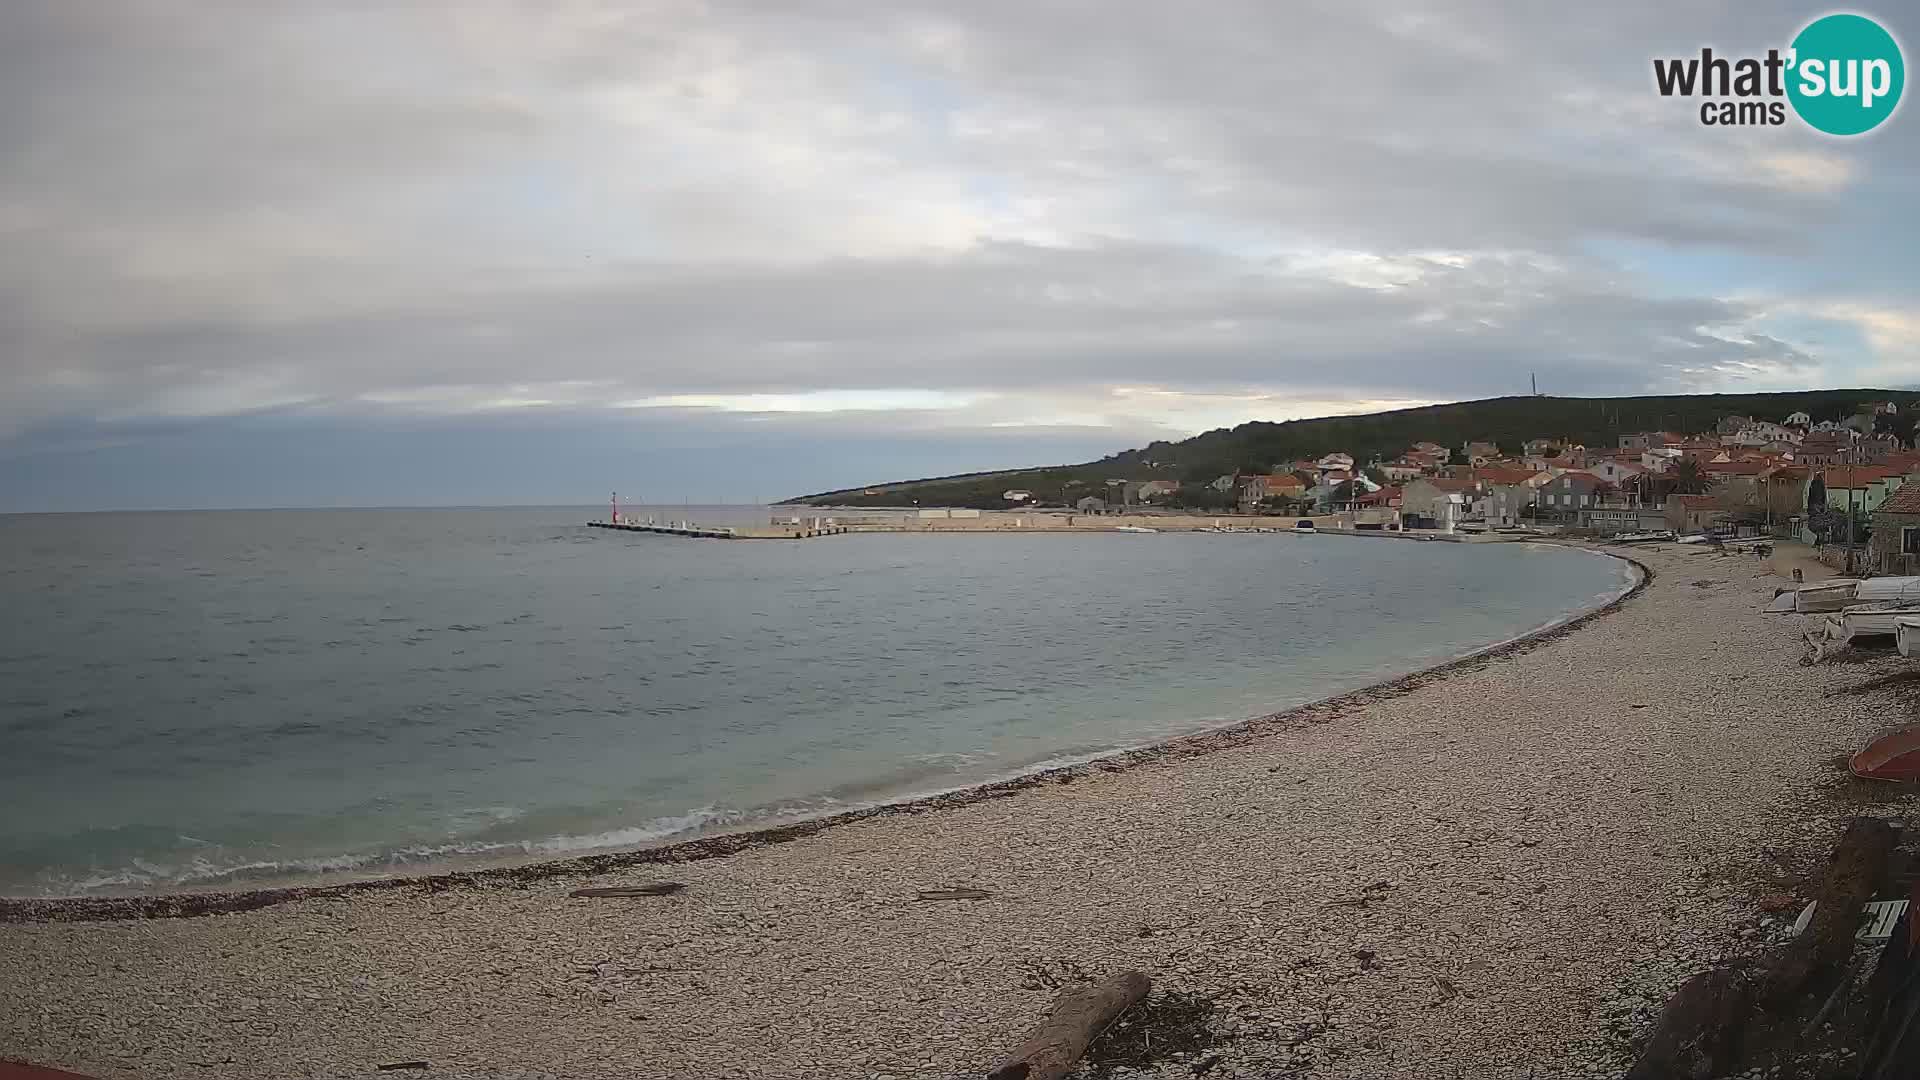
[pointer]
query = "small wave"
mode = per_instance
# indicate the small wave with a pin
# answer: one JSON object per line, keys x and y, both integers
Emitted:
{"x": 207, "y": 871}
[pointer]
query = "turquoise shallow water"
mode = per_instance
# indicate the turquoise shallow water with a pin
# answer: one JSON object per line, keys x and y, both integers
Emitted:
{"x": 230, "y": 698}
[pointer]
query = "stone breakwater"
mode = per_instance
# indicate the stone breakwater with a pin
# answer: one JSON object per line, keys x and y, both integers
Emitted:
{"x": 1495, "y": 870}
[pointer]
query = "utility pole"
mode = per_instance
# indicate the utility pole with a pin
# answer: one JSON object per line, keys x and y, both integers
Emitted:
{"x": 1852, "y": 454}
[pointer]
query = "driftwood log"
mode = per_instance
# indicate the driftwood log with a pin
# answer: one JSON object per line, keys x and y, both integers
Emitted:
{"x": 1701, "y": 1032}
{"x": 1077, "y": 1017}
{"x": 658, "y": 888}
{"x": 1858, "y": 867}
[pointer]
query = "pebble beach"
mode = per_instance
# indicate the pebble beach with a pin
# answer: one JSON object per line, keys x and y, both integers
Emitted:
{"x": 1496, "y": 870}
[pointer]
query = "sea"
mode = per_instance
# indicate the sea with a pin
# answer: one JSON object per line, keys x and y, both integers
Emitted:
{"x": 234, "y": 699}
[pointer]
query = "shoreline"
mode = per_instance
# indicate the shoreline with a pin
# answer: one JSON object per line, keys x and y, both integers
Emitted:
{"x": 214, "y": 901}
{"x": 1499, "y": 869}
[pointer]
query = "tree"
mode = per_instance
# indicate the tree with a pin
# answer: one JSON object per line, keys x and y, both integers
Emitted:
{"x": 1829, "y": 524}
{"x": 1203, "y": 497}
{"x": 1686, "y": 477}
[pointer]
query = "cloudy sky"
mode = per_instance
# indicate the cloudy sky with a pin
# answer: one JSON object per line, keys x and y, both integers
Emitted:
{"x": 260, "y": 254}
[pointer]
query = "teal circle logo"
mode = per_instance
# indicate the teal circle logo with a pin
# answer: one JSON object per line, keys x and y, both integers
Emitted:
{"x": 1846, "y": 74}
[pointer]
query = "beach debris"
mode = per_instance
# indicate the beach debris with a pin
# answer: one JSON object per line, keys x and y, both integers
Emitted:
{"x": 1077, "y": 1017}
{"x": 1700, "y": 1032}
{"x": 954, "y": 894}
{"x": 1877, "y": 920}
{"x": 658, "y": 888}
{"x": 399, "y": 1065}
{"x": 1706, "y": 1022}
{"x": 1855, "y": 871}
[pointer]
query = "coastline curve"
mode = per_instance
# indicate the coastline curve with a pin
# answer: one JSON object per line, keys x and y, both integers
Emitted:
{"x": 1193, "y": 745}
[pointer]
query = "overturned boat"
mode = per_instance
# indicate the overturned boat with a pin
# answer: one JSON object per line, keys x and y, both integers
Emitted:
{"x": 1891, "y": 590}
{"x": 1818, "y": 596}
{"x": 1906, "y": 633}
{"x": 1893, "y": 756}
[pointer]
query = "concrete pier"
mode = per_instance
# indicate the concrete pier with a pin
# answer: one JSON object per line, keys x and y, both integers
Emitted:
{"x": 724, "y": 532}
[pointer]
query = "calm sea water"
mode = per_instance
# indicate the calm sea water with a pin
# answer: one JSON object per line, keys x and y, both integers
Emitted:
{"x": 230, "y": 698}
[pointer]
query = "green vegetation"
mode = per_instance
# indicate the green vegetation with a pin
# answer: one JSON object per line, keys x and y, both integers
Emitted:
{"x": 1259, "y": 446}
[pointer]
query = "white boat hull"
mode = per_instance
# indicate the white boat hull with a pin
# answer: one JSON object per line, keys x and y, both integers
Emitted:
{"x": 1823, "y": 596}
{"x": 1906, "y": 633}
{"x": 1888, "y": 590}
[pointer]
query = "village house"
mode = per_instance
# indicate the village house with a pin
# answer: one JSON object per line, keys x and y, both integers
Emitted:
{"x": 1660, "y": 458}
{"x": 1274, "y": 486}
{"x": 1615, "y": 471}
{"x": 1826, "y": 448}
{"x": 1479, "y": 453}
{"x": 1402, "y": 470}
{"x": 1091, "y": 505}
{"x": 1540, "y": 446}
{"x": 1894, "y": 547}
{"x": 1227, "y": 483}
{"x": 1565, "y": 495}
{"x": 1433, "y": 450}
{"x": 1620, "y": 517}
{"x": 1761, "y": 434}
{"x": 1876, "y": 447}
{"x": 1730, "y": 425}
{"x": 1798, "y": 419}
{"x": 1860, "y": 487}
{"x": 1326, "y": 491}
{"x": 1781, "y": 493}
{"x": 1356, "y": 495}
{"x": 1830, "y": 427}
{"x": 1737, "y": 478}
{"x": 1693, "y": 513}
{"x": 1646, "y": 440}
{"x": 1507, "y": 503}
{"x": 1154, "y": 489}
{"x": 1434, "y": 502}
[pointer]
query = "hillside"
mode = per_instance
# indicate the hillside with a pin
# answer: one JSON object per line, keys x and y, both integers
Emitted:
{"x": 1257, "y": 446}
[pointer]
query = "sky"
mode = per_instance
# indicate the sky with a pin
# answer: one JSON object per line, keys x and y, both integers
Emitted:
{"x": 275, "y": 254}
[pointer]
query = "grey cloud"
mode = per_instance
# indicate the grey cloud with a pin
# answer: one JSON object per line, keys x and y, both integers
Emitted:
{"x": 247, "y": 206}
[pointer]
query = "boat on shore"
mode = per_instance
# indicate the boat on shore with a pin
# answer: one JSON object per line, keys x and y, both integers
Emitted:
{"x": 1906, "y": 633}
{"x": 1646, "y": 537}
{"x": 1134, "y": 529}
{"x": 1820, "y": 596}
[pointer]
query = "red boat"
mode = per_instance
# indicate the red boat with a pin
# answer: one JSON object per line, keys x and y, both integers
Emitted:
{"x": 1893, "y": 756}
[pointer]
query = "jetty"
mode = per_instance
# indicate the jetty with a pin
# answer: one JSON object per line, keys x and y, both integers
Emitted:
{"x": 724, "y": 532}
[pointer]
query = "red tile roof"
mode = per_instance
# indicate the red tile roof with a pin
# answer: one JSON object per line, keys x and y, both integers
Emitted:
{"x": 1843, "y": 476}
{"x": 1904, "y": 501}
